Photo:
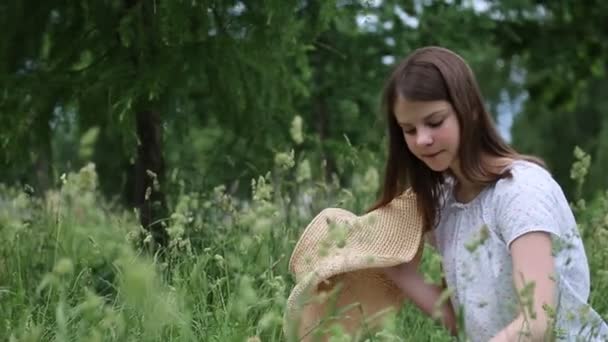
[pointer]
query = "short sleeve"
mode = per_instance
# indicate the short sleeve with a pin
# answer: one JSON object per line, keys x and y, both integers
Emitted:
{"x": 528, "y": 201}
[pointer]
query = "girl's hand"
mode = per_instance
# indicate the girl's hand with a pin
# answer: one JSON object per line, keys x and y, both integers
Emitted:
{"x": 398, "y": 274}
{"x": 426, "y": 296}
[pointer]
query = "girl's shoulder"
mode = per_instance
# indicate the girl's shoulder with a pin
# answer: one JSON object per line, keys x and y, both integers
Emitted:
{"x": 526, "y": 176}
{"x": 528, "y": 187}
{"x": 529, "y": 200}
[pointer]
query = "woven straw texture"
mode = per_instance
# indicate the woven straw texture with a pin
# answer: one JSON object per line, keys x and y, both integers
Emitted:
{"x": 340, "y": 253}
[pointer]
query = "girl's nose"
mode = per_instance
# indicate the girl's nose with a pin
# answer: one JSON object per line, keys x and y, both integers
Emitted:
{"x": 424, "y": 138}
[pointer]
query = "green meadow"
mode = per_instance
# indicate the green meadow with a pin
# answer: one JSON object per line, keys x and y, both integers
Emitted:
{"x": 76, "y": 267}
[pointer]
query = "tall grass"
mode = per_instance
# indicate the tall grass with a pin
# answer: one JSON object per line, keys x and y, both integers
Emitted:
{"x": 74, "y": 267}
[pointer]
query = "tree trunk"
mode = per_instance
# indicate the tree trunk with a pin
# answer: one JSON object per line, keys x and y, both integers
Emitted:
{"x": 149, "y": 169}
{"x": 322, "y": 127}
{"x": 43, "y": 156}
{"x": 321, "y": 115}
{"x": 149, "y": 175}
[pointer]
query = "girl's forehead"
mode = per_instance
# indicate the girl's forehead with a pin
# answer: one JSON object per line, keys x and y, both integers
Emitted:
{"x": 407, "y": 111}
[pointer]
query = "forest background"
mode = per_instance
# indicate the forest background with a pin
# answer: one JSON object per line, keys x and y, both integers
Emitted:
{"x": 175, "y": 149}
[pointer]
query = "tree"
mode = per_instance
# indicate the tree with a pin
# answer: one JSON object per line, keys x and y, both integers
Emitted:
{"x": 560, "y": 46}
{"x": 131, "y": 69}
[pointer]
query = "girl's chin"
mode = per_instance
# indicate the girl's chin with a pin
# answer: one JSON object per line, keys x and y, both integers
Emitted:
{"x": 438, "y": 167}
{"x": 438, "y": 163}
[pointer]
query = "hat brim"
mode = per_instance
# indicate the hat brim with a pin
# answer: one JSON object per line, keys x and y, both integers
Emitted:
{"x": 356, "y": 300}
{"x": 341, "y": 251}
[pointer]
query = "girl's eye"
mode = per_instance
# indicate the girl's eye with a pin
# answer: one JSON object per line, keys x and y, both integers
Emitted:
{"x": 435, "y": 124}
{"x": 409, "y": 131}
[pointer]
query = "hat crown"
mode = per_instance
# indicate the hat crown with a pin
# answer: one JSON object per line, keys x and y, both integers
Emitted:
{"x": 337, "y": 239}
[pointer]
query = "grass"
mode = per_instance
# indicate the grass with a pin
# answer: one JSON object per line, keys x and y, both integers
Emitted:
{"x": 74, "y": 267}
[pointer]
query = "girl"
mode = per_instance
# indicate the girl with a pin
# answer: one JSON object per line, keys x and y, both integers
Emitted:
{"x": 513, "y": 260}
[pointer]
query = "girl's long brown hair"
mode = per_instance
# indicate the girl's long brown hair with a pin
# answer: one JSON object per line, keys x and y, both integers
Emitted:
{"x": 432, "y": 74}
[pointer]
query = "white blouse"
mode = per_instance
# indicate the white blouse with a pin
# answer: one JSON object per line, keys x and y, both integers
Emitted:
{"x": 473, "y": 239}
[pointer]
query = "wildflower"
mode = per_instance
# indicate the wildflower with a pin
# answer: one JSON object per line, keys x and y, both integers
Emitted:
{"x": 219, "y": 259}
{"x": 284, "y": 160}
{"x": 64, "y": 266}
{"x": 268, "y": 320}
{"x": 296, "y": 130}
{"x": 371, "y": 177}
{"x": 261, "y": 190}
{"x": 303, "y": 173}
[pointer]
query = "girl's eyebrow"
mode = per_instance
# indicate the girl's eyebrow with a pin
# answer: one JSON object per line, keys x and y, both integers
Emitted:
{"x": 427, "y": 117}
{"x": 435, "y": 113}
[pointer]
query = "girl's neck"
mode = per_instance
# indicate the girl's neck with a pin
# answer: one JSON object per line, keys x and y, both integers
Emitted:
{"x": 466, "y": 190}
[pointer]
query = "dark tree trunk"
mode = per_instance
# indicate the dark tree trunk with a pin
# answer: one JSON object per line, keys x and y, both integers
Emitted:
{"x": 322, "y": 127}
{"x": 149, "y": 175}
{"x": 321, "y": 114}
{"x": 43, "y": 157}
{"x": 149, "y": 168}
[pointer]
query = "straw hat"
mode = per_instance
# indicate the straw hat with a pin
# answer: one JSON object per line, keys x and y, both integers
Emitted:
{"x": 336, "y": 264}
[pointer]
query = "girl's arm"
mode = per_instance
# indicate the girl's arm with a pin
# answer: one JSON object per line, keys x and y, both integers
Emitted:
{"x": 533, "y": 277}
{"x": 426, "y": 296}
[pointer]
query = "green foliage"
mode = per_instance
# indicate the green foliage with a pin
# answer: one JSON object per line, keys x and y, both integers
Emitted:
{"x": 244, "y": 87}
{"x": 217, "y": 69}
{"x": 77, "y": 271}
{"x": 564, "y": 107}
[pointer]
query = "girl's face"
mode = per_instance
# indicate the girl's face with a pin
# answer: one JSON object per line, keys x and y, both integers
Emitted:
{"x": 431, "y": 131}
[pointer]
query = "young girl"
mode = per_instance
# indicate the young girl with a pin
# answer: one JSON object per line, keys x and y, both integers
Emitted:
{"x": 511, "y": 253}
